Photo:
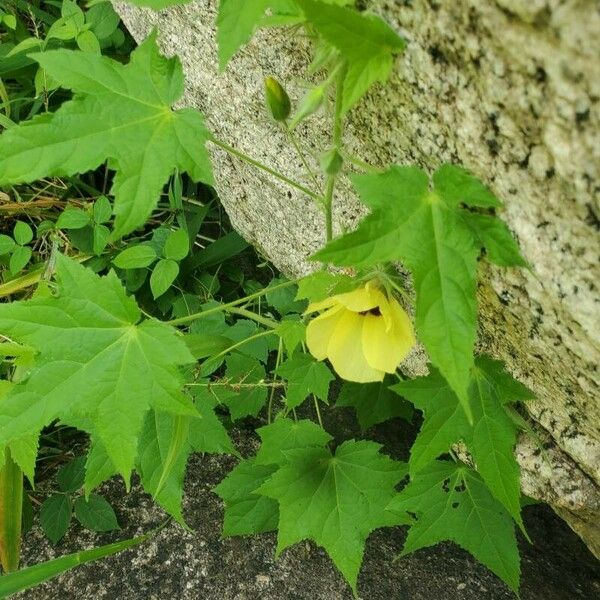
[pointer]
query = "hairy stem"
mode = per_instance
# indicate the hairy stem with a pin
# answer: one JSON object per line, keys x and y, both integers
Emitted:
{"x": 338, "y": 122}
{"x": 255, "y": 163}
{"x": 229, "y": 305}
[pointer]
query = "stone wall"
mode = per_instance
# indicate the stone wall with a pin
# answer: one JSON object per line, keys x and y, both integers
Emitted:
{"x": 508, "y": 88}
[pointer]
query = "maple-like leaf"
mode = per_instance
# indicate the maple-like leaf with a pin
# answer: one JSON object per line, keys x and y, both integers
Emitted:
{"x": 285, "y": 434}
{"x": 98, "y": 362}
{"x": 374, "y": 402}
{"x": 429, "y": 231}
{"x": 451, "y": 502}
{"x": 490, "y": 438}
{"x": 335, "y": 500}
{"x": 121, "y": 113}
{"x": 305, "y": 376}
{"x": 365, "y": 42}
{"x": 245, "y": 511}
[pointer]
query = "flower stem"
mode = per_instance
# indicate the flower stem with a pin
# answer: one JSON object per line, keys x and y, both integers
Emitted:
{"x": 292, "y": 138}
{"x": 225, "y": 307}
{"x": 270, "y": 323}
{"x": 338, "y": 122}
{"x": 255, "y": 163}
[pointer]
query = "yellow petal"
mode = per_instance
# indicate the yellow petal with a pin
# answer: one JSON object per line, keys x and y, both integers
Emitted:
{"x": 403, "y": 326}
{"x": 321, "y": 305}
{"x": 346, "y": 353}
{"x": 386, "y": 348}
{"x": 360, "y": 299}
{"x": 320, "y": 330}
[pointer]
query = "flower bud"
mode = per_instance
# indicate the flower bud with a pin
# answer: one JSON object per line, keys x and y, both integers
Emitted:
{"x": 278, "y": 102}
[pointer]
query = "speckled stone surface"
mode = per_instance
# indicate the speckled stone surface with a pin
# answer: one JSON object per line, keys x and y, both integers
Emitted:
{"x": 200, "y": 565}
{"x": 508, "y": 88}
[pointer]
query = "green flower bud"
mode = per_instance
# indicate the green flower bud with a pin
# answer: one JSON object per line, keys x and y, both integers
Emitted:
{"x": 278, "y": 102}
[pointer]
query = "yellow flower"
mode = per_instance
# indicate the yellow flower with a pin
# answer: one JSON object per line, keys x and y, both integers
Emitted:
{"x": 363, "y": 333}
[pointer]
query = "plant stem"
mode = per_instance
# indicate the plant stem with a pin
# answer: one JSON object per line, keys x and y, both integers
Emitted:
{"x": 11, "y": 508}
{"x": 338, "y": 121}
{"x": 294, "y": 142}
{"x": 316, "y": 401}
{"x": 270, "y": 323}
{"x": 226, "y": 307}
{"x": 255, "y": 163}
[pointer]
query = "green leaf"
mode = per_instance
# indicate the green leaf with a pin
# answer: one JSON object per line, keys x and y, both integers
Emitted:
{"x": 292, "y": 332}
{"x": 336, "y": 501}
{"x": 242, "y": 375}
{"x": 163, "y": 275}
{"x": 97, "y": 361}
{"x": 365, "y": 41}
{"x": 19, "y": 259}
{"x": 71, "y": 476}
{"x": 322, "y": 284}
{"x": 247, "y": 513}
{"x": 285, "y": 434}
{"x": 177, "y": 245}
{"x": 28, "y": 577}
{"x": 135, "y": 257}
{"x": 102, "y": 209}
{"x": 55, "y": 516}
{"x": 202, "y": 345}
{"x": 236, "y": 22}
{"x": 207, "y": 433}
{"x": 22, "y": 233}
{"x": 244, "y": 329}
{"x": 374, "y": 402}
{"x": 490, "y": 439}
{"x": 163, "y": 453}
{"x": 496, "y": 238}
{"x": 118, "y": 112}
{"x": 452, "y": 503}
{"x": 507, "y": 387}
{"x": 103, "y": 20}
{"x": 7, "y": 244}
{"x": 88, "y": 42}
{"x": 73, "y": 218}
{"x": 305, "y": 376}
{"x": 428, "y": 231}
{"x": 283, "y": 299}
{"x": 100, "y": 237}
{"x": 96, "y": 513}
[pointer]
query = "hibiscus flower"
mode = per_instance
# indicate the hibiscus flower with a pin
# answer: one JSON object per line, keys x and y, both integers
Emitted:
{"x": 364, "y": 333}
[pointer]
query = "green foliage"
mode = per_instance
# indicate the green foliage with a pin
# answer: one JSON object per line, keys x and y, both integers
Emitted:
{"x": 284, "y": 435}
{"x": 335, "y": 500}
{"x": 95, "y": 513}
{"x": 116, "y": 115}
{"x": 366, "y": 43}
{"x": 490, "y": 439}
{"x": 55, "y": 516}
{"x": 104, "y": 363}
{"x": 451, "y": 502}
{"x": 430, "y": 232}
{"x": 305, "y": 376}
{"x": 245, "y": 511}
{"x": 96, "y": 359}
{"x": 373, "y": 402}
